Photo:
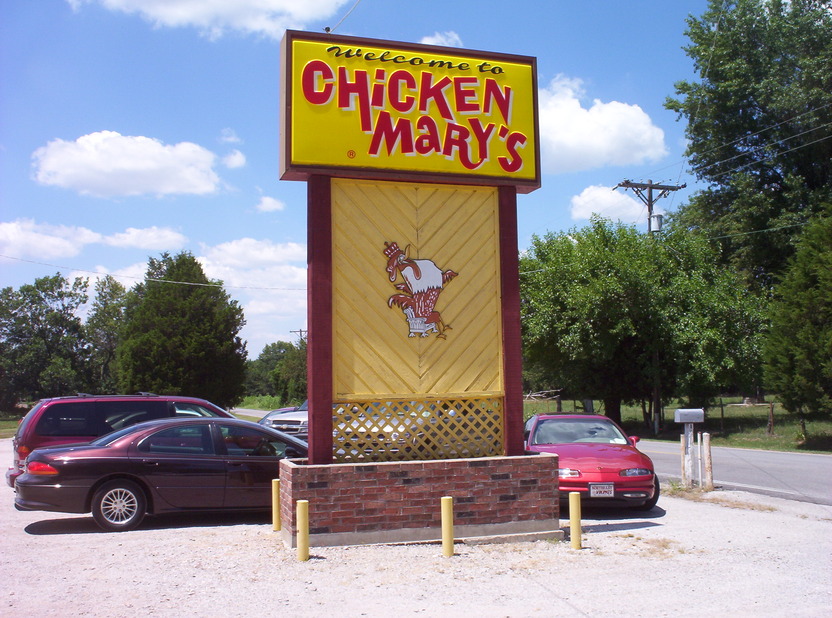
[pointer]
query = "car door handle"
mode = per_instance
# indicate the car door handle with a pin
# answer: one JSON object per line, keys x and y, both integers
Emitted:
{"x": 150, "y": 462}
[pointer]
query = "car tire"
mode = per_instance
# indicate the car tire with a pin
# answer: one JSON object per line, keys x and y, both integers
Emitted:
{"x": 652, "y": 501}
{"x": 119, "y": 505}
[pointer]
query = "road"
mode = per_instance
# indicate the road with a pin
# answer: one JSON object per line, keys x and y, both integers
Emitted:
{"x": 806, "y": 477}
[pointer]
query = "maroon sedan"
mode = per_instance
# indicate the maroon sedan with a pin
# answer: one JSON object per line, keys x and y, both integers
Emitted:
{"x": 156, "y": 467}
{"x": 595, "y": 458}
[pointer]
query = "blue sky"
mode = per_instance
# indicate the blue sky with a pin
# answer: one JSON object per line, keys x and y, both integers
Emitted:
{"x": 133, "y": 127}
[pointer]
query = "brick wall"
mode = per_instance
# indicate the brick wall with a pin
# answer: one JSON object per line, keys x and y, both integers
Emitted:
{"x": 396, "y": 501}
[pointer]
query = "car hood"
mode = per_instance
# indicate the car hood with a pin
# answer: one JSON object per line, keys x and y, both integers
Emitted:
{"x": 581, "y": 455}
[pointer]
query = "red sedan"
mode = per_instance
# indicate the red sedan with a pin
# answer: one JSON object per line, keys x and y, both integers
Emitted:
{"x": 595, "y": 458}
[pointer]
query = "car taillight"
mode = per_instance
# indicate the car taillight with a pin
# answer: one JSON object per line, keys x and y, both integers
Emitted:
{"x": 23, "y": 452}
{"x": 38, "y": 467}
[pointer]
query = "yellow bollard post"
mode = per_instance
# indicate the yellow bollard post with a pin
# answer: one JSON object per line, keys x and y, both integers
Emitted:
{"x": 275, "y": 505}
{"x": 447, "y": 503}
{"x": 303, "y": 529}
{"x": 575, "y": 519}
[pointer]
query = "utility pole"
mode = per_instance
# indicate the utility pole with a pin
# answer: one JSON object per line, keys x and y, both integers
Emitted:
{"x": 649, "y": 199}
{"x": 639, "y": 188}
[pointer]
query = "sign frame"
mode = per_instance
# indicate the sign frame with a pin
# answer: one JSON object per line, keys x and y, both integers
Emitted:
{"x": 298, "y": 168}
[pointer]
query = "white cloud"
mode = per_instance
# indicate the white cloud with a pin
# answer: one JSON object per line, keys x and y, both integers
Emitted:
{"x": 234, "y": 159}
{"x": 269, "y": 280}
{"x": 608, "y": 203}
{"x": 229, "y": 136}
{"x": 269, "y": 204}
{"x": 249, "y": 253}
{"x": 448, "y": 39}
{"x": 108, "y": 164}
{"x": 24, "y": 238}
{"x": 214, "y": 18}
{"x": 153, "y": 238}
{"x": 574, "y": 138}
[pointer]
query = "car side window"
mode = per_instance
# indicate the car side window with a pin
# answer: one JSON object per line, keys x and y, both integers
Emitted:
{"x": 187, "y": 440}
{"x": 120, "y": 414}
{"x": 251, "y": 442}
{"x": 69, "y": 419}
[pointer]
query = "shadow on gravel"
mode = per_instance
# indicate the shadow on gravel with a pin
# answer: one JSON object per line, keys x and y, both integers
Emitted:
{"x": 612, "y": 520}
{"x": 86, "y": 525}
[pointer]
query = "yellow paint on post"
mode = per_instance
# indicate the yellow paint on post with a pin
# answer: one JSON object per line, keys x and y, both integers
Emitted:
{"x": 447, "y": 526}
{"x": 575, "y": 519}
{"x": 275, "y": 504}
{"x": 303, "y": 530}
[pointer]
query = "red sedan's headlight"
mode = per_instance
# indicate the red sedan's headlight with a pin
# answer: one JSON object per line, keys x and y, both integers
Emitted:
{"x": 38, "y": 467}
{"x": 568, "y": 473}
{"x": 635, "y": 472}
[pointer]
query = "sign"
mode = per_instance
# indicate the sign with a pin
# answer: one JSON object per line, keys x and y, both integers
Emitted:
{"x": 387, "y": 110}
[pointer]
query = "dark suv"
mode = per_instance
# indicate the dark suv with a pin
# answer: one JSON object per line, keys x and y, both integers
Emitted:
{"x": 66, "y": 420}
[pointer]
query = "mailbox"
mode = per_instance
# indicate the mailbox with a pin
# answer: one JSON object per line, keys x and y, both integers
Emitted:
{"x": 690, "y": 415}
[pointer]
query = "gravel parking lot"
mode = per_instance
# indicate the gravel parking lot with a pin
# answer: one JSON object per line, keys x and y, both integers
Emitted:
{"x": 731, "y": 552}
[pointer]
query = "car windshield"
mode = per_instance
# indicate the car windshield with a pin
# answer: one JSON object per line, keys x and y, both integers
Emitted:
{"x": 565, "y": 431}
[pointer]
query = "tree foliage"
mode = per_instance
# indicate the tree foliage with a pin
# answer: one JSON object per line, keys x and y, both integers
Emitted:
{"x": 181, "y": 334}
{"x": 102, "y": 327}
{"x": 799, "y": 347}
{"x": 758, "y": 127}
{"x": 43, "y": 351}
{"x": 610, "y": 313}
{"x": 289, "y": 374}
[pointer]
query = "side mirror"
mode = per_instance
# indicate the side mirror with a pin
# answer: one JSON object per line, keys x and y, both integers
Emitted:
{"x": 292, "y": 453}
{"x": 634, "y": 440}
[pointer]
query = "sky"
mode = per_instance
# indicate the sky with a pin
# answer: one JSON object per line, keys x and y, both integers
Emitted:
{"x": 130, "y": 128}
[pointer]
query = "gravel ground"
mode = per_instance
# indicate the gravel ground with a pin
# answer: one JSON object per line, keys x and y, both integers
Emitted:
{"x": 730, "y": 552}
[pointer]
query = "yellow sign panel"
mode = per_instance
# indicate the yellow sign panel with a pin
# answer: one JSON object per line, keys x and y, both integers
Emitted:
{"x": 376, "y": 107}
{"x": 416, "y": 290}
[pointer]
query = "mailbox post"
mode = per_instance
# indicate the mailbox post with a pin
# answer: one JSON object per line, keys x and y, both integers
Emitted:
{"x": 688, "y": 416}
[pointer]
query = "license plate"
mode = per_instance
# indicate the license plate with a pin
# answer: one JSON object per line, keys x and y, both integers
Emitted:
{"x": 602, "y": 490}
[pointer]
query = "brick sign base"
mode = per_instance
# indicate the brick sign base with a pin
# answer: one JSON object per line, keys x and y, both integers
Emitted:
{"x": 394, "y": 502}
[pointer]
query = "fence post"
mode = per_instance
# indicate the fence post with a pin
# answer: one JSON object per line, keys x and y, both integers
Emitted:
{"x": 709, "y": 466}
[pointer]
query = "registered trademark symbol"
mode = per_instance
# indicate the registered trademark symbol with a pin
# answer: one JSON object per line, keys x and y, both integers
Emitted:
{"x": 351, "y": 154}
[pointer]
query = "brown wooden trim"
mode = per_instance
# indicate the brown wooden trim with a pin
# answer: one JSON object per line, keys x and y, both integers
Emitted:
{"x": 319, "y": 316}
{"x": 512, "y": 345}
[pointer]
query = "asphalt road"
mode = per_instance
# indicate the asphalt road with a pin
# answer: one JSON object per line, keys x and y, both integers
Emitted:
{"x": 806, "y": 477}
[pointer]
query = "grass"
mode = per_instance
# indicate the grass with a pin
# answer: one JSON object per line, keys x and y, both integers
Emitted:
{"x": 265, "y": 402}
{"x": 730, "y": 424}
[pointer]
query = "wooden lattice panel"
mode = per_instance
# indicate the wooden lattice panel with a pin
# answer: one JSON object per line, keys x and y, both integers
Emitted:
{"x": 417, "y": 429}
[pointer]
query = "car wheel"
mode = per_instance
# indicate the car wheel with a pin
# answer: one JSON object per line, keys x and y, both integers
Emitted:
{"x": 652, "y": 501}
{"x": 119, "y": 505}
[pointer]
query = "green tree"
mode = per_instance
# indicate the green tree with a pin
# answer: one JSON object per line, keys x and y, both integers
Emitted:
{"x": 289, "y": 375}
{"x": 44, "y": 352}
{"x": 181, "y": 334}
{"x": 259, "y": 379}
{"x": 758, "y": 127}
{"x": 102, "y": 326}
{"x": 613, "y": 314}
{"x": 799, "y": 347}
